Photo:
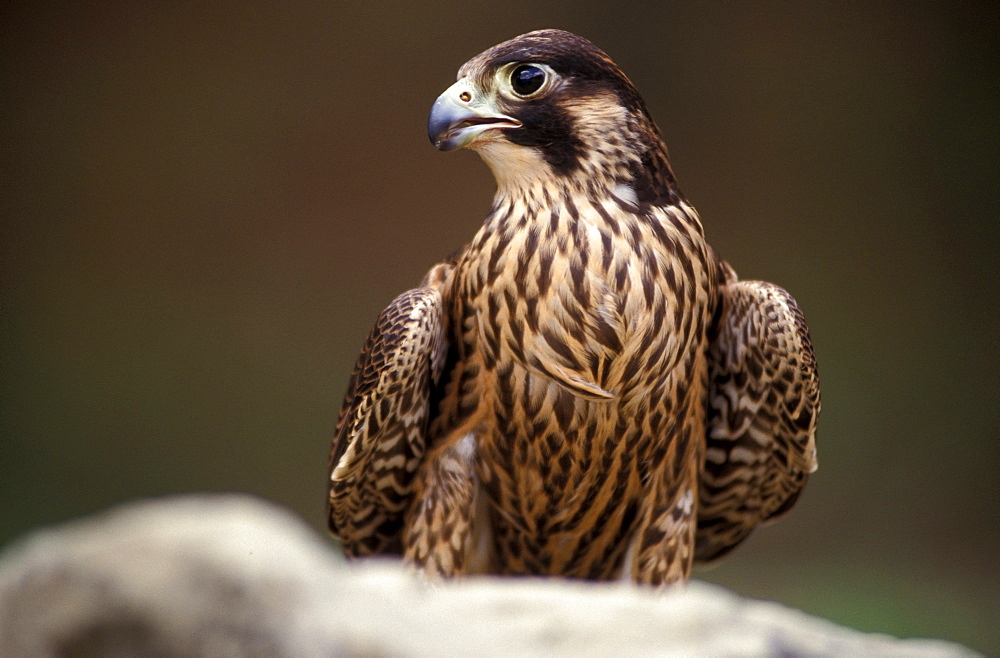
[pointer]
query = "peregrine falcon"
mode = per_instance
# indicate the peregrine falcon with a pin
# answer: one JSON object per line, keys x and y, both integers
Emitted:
{"x": 586, "y": 389}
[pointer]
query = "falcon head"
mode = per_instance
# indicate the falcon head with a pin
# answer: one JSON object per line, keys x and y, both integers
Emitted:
{"x": 551, "y": 105}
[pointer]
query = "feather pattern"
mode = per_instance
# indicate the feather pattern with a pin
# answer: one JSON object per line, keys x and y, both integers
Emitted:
{"x": 584, "y": 390}
{"x": 764, "y": 405}
{"x": 380, "y": 435}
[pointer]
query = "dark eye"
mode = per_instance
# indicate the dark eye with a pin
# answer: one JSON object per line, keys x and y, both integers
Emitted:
{"x": 527, "y": 79}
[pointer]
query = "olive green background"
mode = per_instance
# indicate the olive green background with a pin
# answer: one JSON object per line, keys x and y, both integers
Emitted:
{"x": 205, "y": 205}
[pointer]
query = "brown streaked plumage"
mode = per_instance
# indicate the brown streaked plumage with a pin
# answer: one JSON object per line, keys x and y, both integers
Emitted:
{"x": 585, "y": 390}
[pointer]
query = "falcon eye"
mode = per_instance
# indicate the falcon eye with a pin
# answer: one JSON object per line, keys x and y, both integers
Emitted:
{"x": 526, "y": 79}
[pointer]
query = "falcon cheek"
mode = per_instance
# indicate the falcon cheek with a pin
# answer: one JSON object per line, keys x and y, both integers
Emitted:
{"x": 551, "y": 128}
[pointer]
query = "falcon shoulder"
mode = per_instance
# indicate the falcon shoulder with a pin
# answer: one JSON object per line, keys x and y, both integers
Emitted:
{"x": 381, "y": 431}
{"x": 763, "y": 405}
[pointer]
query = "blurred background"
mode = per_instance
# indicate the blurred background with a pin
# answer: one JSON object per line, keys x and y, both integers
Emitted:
{"x": 205, "y": 206}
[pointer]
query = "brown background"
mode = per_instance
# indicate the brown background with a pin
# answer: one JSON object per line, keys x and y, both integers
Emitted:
{"x": 205, "y": 205}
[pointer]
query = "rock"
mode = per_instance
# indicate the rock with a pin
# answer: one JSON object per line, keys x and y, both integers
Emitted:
{"x": 231, "y": 575}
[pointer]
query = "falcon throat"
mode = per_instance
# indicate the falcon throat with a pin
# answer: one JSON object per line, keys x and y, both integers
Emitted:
{"x": 585, "y": 389}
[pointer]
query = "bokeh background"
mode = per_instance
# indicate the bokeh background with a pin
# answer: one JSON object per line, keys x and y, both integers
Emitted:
{"x": 205, "y": 205}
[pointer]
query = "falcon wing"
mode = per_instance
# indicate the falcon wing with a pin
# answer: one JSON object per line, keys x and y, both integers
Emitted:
{"x": 762, "y": 410}
{"x": 381, "y": 433}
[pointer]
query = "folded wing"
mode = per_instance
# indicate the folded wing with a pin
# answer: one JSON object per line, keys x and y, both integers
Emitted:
{"x": 381, "y": 432}
{"x": 762, "y": 411}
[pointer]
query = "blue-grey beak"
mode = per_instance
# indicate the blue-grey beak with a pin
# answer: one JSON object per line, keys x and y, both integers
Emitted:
{"x": 458, "y": 118}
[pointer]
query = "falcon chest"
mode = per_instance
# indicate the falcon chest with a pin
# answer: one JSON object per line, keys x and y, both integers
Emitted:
{"x": 587, "y": 318}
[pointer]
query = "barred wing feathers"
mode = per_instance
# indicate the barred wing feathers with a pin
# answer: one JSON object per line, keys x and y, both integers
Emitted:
{"x": 762, "y": 411}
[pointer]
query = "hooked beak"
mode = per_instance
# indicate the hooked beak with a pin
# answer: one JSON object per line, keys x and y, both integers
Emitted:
{"x": 458, "y": 118}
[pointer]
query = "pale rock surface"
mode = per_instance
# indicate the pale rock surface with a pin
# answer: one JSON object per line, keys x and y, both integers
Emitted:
{"x": 231, "y": 575}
